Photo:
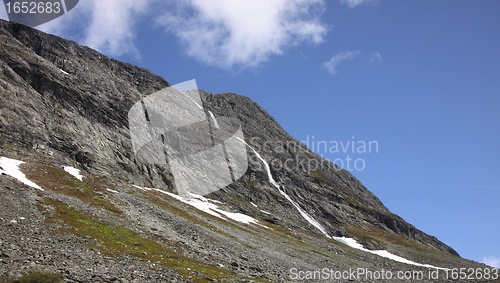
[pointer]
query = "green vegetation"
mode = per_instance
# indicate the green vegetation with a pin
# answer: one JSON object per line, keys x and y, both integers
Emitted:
{"x": 362, "y": 236}
{"x": 159, "y": 200}
{"x": 295, "y": 240}
{"x": 36, "y": 276}
{"x": 251, "y": 184}
{"x": 114, "y": 240}
{"x": 57, "y": 180}
{"x": 409, "y": 247}
{"x": 320, "y": 175}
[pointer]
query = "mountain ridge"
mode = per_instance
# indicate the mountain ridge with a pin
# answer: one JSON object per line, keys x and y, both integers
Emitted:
{"x": 66, "y": 105}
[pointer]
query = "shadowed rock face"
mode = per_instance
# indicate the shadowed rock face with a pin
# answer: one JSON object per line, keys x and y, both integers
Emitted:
{"x": 68, "y": 103}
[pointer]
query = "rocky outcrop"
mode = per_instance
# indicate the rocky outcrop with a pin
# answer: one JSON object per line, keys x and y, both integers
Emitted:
{"x": 66, "y": 104}
{"x": 69, "y": 102}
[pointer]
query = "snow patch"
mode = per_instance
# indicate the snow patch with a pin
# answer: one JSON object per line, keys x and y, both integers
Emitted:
{"x": 304, "y": 214}
{"x": 383, "y": 253}
{"x": 205, "y": 205}
{"x": 208, "y": 206}
{"x": 348, "y": 241}
{"x": 113, "y": 191}
{"x": 11, "y": 167}
{"x": 214, "y": 120}
{"x": 142, "y": 188}
{"x": 73, "y": 171}
{"x": 64, "y": 72}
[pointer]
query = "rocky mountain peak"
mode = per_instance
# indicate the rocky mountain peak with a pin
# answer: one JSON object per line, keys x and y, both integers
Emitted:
{"x": 63, "y": 104}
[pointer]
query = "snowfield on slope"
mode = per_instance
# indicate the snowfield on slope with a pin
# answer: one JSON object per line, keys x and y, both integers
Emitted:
{"x": 208, "y": 206}
{"x": 73, "y": 171}
{"x": 348, "y": 241}
{"x": 11, "y": 167}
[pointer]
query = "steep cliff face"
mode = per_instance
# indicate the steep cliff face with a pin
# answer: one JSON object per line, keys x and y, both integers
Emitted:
{"x": 63, "y": 104}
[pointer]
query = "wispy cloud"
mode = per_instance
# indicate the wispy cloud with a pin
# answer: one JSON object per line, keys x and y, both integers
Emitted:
{"x": 354, "y": 3}
{"x": 112, "y": 25}
{"x": 225, "y": 33}
{"x": 492, "y": 261}
{"x": 376, "y": 58}
{"x": 108, "y": 26}
{"x": 331, "y": 65}
{"x": 221, "y": 33}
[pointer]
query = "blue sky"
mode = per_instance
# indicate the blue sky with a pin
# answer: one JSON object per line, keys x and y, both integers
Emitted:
{"x": 421, "y": 78}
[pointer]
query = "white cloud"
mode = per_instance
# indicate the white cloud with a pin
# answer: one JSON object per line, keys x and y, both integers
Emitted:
{"x": 112, "y": 24}
{"x": 107, "y": 26}
{"x": 492, "y": 261}
{"x": 331, "y": 65}
{"x": 354, "y": 3}
{"x": 376, "y": 58}
{"x": 225, "y": 33}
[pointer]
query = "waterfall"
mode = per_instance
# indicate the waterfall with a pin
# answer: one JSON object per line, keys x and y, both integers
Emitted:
{"x": 216, "y": 125}
{"x": 304, "y": 214}
{"x": 348, "y": 241}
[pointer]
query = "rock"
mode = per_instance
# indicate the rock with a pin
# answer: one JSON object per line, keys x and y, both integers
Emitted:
{"x": 50, "y": 120}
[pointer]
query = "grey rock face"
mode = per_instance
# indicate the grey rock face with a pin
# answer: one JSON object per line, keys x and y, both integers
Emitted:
{"x": 82, "y": 116}
{"x": 66, "y": 104}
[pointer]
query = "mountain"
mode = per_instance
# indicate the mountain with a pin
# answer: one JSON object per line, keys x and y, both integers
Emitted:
{"x": 95, "y": 213}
